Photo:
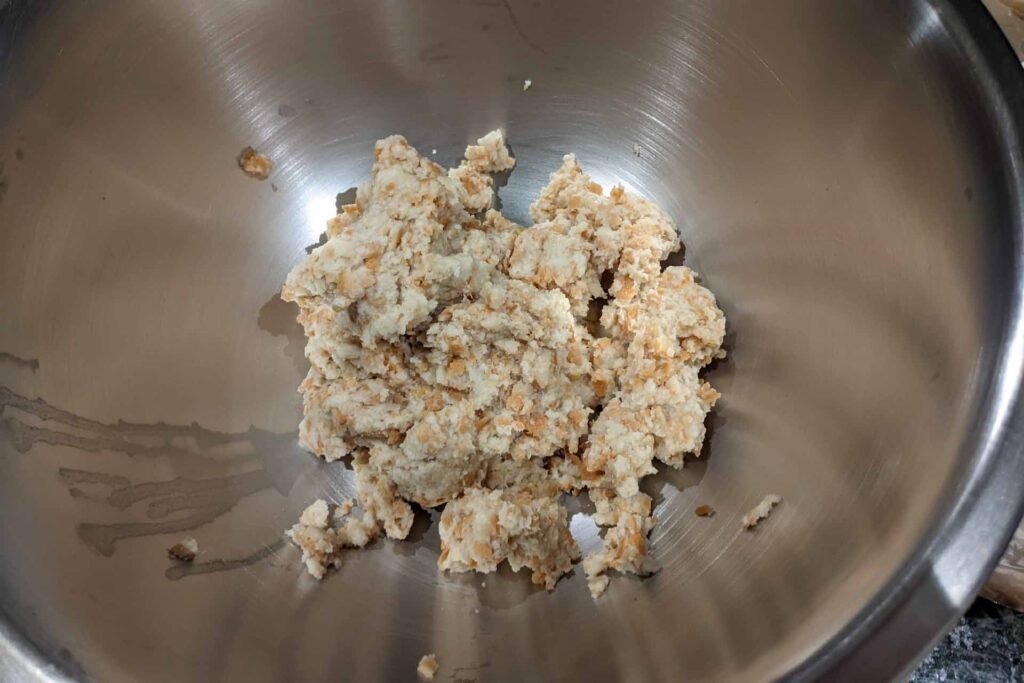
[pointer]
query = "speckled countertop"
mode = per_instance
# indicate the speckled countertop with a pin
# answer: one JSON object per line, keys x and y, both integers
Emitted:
{"x": 986, "y": 646}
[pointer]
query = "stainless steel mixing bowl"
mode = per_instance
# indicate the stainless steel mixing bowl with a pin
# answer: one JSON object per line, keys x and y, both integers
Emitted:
{"x": 846, "y": 177}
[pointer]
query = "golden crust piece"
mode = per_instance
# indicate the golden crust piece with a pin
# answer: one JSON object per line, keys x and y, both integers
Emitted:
{"x": 254, "y": 164}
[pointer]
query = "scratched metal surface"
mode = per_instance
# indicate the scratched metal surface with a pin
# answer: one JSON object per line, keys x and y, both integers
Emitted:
{"x": 845, "y": 177}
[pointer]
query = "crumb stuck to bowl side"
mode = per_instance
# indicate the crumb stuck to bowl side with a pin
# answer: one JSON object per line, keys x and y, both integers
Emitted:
{"x": 254, "y": 164}
{"x": 184, "y": 551}
{"x": 704, "y": 511}
{"x": 761, "y": 511}
{"x": 428, "y": 666}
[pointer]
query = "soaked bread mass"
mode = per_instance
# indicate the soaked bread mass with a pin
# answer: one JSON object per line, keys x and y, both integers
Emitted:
{"x": 463, "y": 361}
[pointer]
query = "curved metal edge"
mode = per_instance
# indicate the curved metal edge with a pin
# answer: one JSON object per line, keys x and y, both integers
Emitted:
{"x": 890, "y": 637}
{"x": 11, "y": 12}
{"x": 20, "y": 658}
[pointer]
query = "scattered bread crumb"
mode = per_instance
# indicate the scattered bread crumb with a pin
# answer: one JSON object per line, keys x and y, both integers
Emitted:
{"x": 322, "y": 536}
{"x": 761, "y": 510}
{"x": 527, "y": 84}
{"x": 254, "y": 164}
{"x": 185, "y": 551}
{"x": 705, "y": 511}
{"x": 428, "y": 666}
{"x": 636, "y": 149}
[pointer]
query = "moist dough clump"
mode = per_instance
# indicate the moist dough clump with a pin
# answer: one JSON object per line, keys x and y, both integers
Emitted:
{"x": 464, "y": 361}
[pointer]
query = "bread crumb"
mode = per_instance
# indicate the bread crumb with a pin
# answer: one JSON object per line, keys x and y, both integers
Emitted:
{"x": 322, "y": 536}
{"x": 454, "y": 357}
{"x": 427, "y": 667}
{"x": 624, "y": 547}
{"x": 254, "y": 164}
{"x": 761, "y": 511}
{"x": 598, "y": 584}
{"x": 185, "y": 551}
{"x": 316, "y": 515}
{"x": 704, "y": 511}
{"x": 527, "y": 84}
{"x": 344, "y": 508}
{"x": 636, "y": 149}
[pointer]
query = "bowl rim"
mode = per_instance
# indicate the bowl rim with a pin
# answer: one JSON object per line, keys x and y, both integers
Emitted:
{"x": 944, "y": 573}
